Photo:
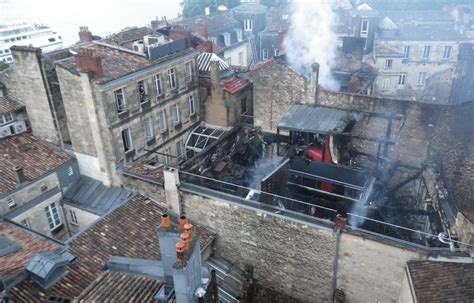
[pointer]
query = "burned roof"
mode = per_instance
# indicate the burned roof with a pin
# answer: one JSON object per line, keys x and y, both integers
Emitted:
{"x": 36, "y": 157}
{"x": 93, "y": 196}
{"x": 435, "y": 281}
{"x": 9, "y": 104}
{"x": 317, "y": 119}
{"x": 30, "y": 244}
{"x": 119, "y": 287}
{"x": 129, "y": 231}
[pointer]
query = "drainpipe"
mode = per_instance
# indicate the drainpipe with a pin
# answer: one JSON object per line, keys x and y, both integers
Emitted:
{"x": 339, "y": 226}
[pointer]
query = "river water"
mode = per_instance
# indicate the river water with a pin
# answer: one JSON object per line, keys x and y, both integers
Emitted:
{"x": 103, "y": 17}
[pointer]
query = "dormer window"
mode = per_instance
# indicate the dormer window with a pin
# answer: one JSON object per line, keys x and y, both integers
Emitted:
{"x": 239, "y": 35}
{"x": 364, "y": 28}
{"x": 226, "y": 39}
{"x": 6, "y": 118}
{"x": 248, "y": 25}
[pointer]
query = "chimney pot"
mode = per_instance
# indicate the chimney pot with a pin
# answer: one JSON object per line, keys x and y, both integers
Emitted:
{"x": 185, "y": 238}
{"x": 180, "y": 250}
{"x": 19, "y": 174}
{"x": 188, "y": 228}
{"x": 165, "y": 221}
{"x": 182, "y": 222}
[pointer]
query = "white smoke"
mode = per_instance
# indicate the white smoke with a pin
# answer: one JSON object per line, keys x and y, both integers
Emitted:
{"x": 311, "y": 39}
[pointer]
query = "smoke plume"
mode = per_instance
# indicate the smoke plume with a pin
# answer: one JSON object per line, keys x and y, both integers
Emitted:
{"x": 311, "y": 39}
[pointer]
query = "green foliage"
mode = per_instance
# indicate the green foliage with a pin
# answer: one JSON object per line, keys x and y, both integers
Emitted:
{"x": 3, "y": 66}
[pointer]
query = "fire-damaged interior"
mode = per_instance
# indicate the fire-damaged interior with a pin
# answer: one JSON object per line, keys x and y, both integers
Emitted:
{"x": 311, "y": 167}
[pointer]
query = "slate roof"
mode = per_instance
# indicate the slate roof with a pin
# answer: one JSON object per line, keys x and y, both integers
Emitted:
{"x": 236, "y": 85}
{"x": 31, "y": 244}
{"x": 93, "y": 196}
{"x": 442, "y": 281}
{"x": 36, "y": 157}
{"x": 214, "y": 22}
{"x": 8, "y": 104}
{"x": 117, "y": 62}
{"x": 129, "y": 231}
{"x": 118, "y": 287}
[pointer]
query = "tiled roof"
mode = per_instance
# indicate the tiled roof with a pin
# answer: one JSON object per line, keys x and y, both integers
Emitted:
{"x": 214, "y": 21}
{"x": 36, "y": 157}
{"x": 128, "y": 35}
{"x": 208, "y": 48}
{"x": 236, "y": 85}
{"x": 442, "y": 281}
{"x": 129, "y": 231}
{"x": 30, "y": 243}
{"x": 118, "y": 287}
{"x": 8, "y": 104}
{"x": 117, "y": 62}
{"x": 144, "y": 170}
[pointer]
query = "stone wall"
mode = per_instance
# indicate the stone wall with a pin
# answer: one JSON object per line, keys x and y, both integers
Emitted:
{"x": 155, "y": 191}
{"x": 84, "y": 218}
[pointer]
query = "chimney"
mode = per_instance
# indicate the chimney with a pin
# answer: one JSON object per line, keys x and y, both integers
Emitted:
{"x": 171, "y": 176}
{"x": 312, "y": 100}
{"x": 19, "y": 174}
{"x": 188, "y": 229}
{"x": 201, "y": 28}
{"x": 87, "y": 61}
{"x": 215, "y": 76}
{"x": 182, "y": 222}
{"x": 185, "y": 239}
{"x": 357, "y": 25}
{"x": 180, "y": 252}
{"x": 165, "y": 221}
{"x": 85, "y": 36}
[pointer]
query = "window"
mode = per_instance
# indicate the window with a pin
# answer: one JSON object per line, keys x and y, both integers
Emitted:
{"x": 70, "y": 171}
{"x": 241, "y": 58}
{"x": 265, "y": 54}
{"x": 364, "y": 28}
{"x": 51, "y": 39}
{"x": 73, "y": 216}
{"x": 9, "y": 59}
{"x": 148, "y": 129}
{"x": 7, "y": 51}
{"x": 142, "y": 92}
{"x": 192, "y": 109}
{"x": 228, "y": 60}
{"x": 127, "y": 140}
{"x": 406, "y": 52}
{"x": 168, "y": 155}
{"x": 175, "y": 115}
{"x": 243, "y": 106}
{"x": 248, "y": 25}
{"x": 420, "y": 79}
{"x": 53, "y": 216}
{"x": 25, "y": 223}
{"x": 163, "y": 124}
{"x": 239, "y": 35}
{"x": 120, "y": 101}
{"x": 179, "y": 149}
{"x": 159, "y": 87}
{"x": 276, "y": 53}
{"x": 1, "y": 52}
{"x": 172, "y": 78}
{"x": 214, "y": 40}
{"x": 388, "y": 63}
{"x": 6, "y": 118}
{"x": 11, "y": 201}
{"x": 386, "y": 83}
{"x": 447, "y": 52}
{"x": 226, "y": 39}
{"x": 402, "y": 79}
{"x": 189, "y": 72}
{"x": 426, "y": 52}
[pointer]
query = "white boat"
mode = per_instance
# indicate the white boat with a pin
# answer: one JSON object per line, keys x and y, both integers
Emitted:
{"x": 26, "y": 34}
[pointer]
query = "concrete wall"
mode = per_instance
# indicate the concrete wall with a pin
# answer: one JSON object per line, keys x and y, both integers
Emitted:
{"x": 84, "y": 218}
{"x": 370, "y": 271}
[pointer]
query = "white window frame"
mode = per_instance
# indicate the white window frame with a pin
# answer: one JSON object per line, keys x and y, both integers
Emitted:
{"x": 172, "y": 78}
{"x": 364, "y": 32}
{"x": 239, "y": 35}
{"x": 175, "y": 114}
{"x": 447, "y": 52}
{"x": 168, "y": 155}
{"x": 70, "y": 171}
{"x": 264, "y": 54}
{"x": 227, "y": 41}
{"x": 426, "y": 52}
{"x": 163, "y": 123}
{"x": 406, "y": 52}
{"x": 158, "y": 85}
{"x": 180, "y": 149}
{"x": 189, "y": 71}
{"x": 386, "y": 83}
{"x": 248, "y": 25}
{"x": 388, "y": 63}
{"x": 148, "y": 125}
{"x": 276, "y": 52}
{"x": 7, "y": 118}
{"x": 127, "y": 142}
{"x": 421, "y": 78}
{"x": 241, "y": 58}
{"x": 121, "y": 106}
{"x": 52, "y": 215}
{"x": 192, "y": 106}
{"x": 402, "y": 79}
{"x": 73, "y": 216}
{"x": 10, "y": 201}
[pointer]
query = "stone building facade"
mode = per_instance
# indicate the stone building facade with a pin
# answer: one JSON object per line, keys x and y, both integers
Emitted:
{"x": 129, "y": 110}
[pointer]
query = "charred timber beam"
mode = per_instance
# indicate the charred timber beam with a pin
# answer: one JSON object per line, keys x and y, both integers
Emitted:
{"x": 404, "y": 182}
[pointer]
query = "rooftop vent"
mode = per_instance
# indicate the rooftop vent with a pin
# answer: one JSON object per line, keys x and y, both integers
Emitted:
{"x": 47, "y": 269}
{"x": 7, "y": 246}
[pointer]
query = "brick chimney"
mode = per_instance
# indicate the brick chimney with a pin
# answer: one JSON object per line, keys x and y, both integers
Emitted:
{"x": 86, "y": 60}
{"x": 201, "y": 28}
{"x": 19, "y": 174}
{"x": 85, "y": 35}
{"x": 217, "y": 113}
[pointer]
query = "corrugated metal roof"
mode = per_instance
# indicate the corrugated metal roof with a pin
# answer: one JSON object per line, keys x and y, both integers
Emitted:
{"x": 204, "y": 62}
{"x": 92, "y": 195}
{"x": 317, "y": 119}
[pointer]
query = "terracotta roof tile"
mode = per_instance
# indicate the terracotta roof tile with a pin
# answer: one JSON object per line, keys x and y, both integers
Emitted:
{"x": 31, "y": 244}
{"x": 236, "y": 85}
{"x": 129, "y": 231}
{"x": 145, "y": 171}
{"x": 36, "y": 157}
{"x": 442, "y": 281}
{"x": 9, "y": 104}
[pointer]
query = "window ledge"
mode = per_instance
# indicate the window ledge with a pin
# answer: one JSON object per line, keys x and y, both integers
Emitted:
{"x": 123, "y": 114}
{"x": 150, "y": 141}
